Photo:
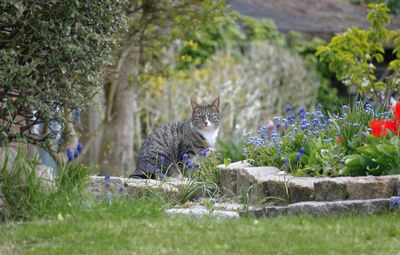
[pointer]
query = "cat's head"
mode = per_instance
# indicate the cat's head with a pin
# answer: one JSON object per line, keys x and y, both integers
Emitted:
{"x": 205, "y": 116}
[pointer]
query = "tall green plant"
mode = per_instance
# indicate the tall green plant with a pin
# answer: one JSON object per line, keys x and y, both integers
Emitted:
{"x": 353, "y": 55}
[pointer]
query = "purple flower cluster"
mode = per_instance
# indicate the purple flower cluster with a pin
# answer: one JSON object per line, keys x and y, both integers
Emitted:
{"x": 189, "y": 163}
{"x": 71, "y": 155}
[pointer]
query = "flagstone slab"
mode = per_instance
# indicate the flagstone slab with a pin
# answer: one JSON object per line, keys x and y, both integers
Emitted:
{"x": 200, "y": 211}
{"x": 98, "y": 186}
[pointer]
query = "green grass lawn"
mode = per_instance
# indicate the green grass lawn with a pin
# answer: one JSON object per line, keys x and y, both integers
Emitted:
{"x": 142, "y": 228}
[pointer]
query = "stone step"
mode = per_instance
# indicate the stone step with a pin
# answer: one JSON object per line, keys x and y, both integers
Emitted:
{"x": 98, "y": 186}
{"x": 240, "y": 177}
{"x": 327, "y": 208}
{"x": 201, "y": 211}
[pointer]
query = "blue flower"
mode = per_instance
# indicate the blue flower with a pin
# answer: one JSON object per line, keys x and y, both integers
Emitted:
{"x": 302, "y": 150}
{"x": 107, "y": 182}
{"x": 291, "y": 118}
{"x": 315, "y": 122}
{"x": 395, "y": 203}
{"x": 318, "y": 107}
{"x": 298, "y": 156}
{"x": 285, "y": 161}
{"x": 149, "y": 167}
{"x": 76, "y": 154}
{"x": 288, "y": 108}
{"x": 162, "y": 160}
{"x": 196, "y": 166}
{"x": 162, "y": 176}
{"x": 203, "y": 153}
{"x": 189, "y": 164}
{"x": 158, "y": 171}
{"x": 79, "y": 148}
{"x": 185, "y": 157}
{"x": 328, "y": 140}
{"x": 69, "y": 154}
{"x": 301, "y": 113}
{"x": 345, "y": 109}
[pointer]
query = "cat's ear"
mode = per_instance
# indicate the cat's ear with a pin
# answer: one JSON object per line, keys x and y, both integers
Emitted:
{"x": 215, "y": 103}
{"x": 194, "y": 104}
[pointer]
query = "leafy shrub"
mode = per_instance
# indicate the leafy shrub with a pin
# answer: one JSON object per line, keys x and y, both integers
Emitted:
{"x": 353, "y": 55}
{"x": 51, "y": 54}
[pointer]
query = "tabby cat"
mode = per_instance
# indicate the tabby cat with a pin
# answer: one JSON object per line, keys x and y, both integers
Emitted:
{"x": 163, "y": 150}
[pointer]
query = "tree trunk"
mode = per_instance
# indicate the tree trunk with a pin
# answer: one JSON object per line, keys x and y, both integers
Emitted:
{"x": 116, "y": 152}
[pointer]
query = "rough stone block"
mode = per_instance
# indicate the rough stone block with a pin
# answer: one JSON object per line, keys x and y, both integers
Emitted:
{"x": 131, "y": 187}
{"x": 339, "y": 207}
{"x": 301, "y": 189}
{"x": 330, "y": 189}
{"x": 273, "y": 211}
{"x": 370, "y": 187}
{"x": 201, "y": 212}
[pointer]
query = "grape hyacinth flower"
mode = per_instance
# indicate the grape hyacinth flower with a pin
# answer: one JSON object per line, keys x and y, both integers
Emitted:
{"x": 107, "y": 182}
{"x": 288, "y": 108}
{"x": 395, "y": 203}
{"x": 79, "y": 148}
{"x": 301, "y": 113}
{"x": 162, "y": 160}
{"x": 76, "y": 154}
{"x": 298, "y": 156}
{"x": 189, "y": 164}
{"x": 69, "y": 154}
{"x": 203, "y": 153}
{"x": 149, "y": 167}
{"x": 185, "y": 157}
{"x": 302, "y": 150}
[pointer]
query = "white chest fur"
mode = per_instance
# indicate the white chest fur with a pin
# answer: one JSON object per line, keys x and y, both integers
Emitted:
{"x": 210, "y": 135}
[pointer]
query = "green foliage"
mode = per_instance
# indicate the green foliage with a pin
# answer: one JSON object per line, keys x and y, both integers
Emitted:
{"x": 310, "y": 143}
{"x": 352, "y": 125}
{"x": 72, "y": 176}
{"x": 231, "y": 150}
{"x": 51, "y": 53}
{"x": 353, "y": 55}
{"x": 28, "y": 195}
{"x": 303, "y": 143}
{"x": 232, "y": 30}
{"x": 154, "y": 26}
{"x": 204, "y": 180}
{"x": 376, "y": 157}
{"x": 393, "y": 5}
{"x": 327, "y": 94}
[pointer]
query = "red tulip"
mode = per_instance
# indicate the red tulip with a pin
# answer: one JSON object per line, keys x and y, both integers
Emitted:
{"x": 380, "y": 127}
{"x": 396, "y": 110}
{"x": 339, "y": 139}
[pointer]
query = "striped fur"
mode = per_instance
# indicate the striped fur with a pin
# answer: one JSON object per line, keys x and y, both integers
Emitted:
{"x": 173, "y": 140}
